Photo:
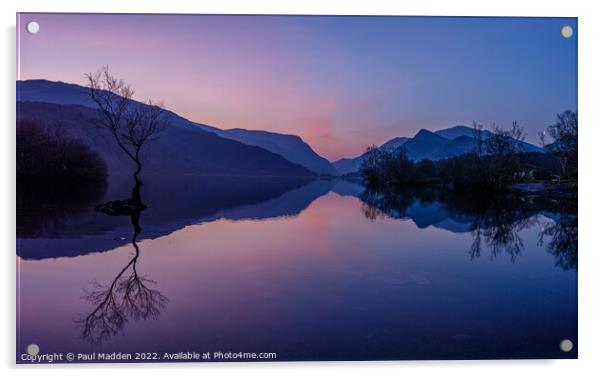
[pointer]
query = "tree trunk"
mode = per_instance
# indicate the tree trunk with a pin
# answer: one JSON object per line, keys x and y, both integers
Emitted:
{"x": 136, "y": 197}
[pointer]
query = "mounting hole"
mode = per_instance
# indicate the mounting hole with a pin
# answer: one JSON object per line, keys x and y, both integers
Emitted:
{"x": 566, "y": 345}
{"x": 32, "y": 27}
{"x": 32, "y": 349}
{"x": 566, "y": 31}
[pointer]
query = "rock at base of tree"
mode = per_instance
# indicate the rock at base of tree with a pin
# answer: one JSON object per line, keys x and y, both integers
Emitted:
{"x": 124, "y": 207}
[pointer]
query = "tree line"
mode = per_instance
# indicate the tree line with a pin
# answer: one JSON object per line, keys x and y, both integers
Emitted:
{"x": 45, "y": 152}
{"x": 497, "y": 160}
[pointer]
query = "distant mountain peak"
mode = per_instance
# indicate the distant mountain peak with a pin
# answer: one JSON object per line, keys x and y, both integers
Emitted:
{"x": 423, "y": 132}
{"x": 396, "y": 142}
{"x": 460, "y": 130}
{"x": 425, "y": 144}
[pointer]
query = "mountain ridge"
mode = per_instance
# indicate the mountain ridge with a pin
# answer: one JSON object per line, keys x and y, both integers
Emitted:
{"x": 433, "y": 145}
{"x": 182, "y": 148}
{"x": 291, "y": 147}
{"x": 425, "y": 144}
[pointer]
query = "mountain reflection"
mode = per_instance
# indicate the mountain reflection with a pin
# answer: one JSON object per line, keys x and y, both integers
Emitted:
{"x": 174, "y": 202}
{"x": 494, "y": 221}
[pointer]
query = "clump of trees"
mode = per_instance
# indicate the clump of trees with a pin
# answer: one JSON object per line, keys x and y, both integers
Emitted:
{"x": 493, "y": 163}
{"x": 496, "y": 157}
{"x": 46, "y": 153}
{"x": 393, "y": 167}
{"x": 497, "y": 160}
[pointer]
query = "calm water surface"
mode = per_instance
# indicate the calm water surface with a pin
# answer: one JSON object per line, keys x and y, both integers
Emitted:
{"x": 310, "y": 270}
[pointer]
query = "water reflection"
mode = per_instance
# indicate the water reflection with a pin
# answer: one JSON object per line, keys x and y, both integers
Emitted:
{"x": 494, "y": 221}
{"x": 128, "y": 296}
{"x": 295, "y": 267}
{"x": 563, "y": 239}
{"x": 49, "y": 210}
{"x": 174, "y": 202}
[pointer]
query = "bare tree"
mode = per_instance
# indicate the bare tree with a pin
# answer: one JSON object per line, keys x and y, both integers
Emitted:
{"x": 477, "y": 134}
{"x": 132, "y": 125}
{"x": 497, "y": 153}
{"x": 564, "y": 133}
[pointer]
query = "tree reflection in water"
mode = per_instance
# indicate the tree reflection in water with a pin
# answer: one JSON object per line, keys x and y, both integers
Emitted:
{"x": 563, "y": 239}
{"x": 44, "y": 211}
{"x": 128, "y": 296}
{"x": 495, "y": 221}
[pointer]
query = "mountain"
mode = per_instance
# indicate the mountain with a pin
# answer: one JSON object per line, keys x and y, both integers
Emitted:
{"x": 182, "y": 148}
{"x": 351, "y": 165}
{"x": 53, "y": 92}
{"x": 423, "y": 144}
{"x": 445, "y": 143}
{"x": 417, "y": 147}
{"x": 394, "y": 143}
{"x": 348, "y": 165}
{"x": 456, "y": 147}
{"x": 457, "y": 131}
{"x": 291, "y": 147}
{"x": 204, "y": 158}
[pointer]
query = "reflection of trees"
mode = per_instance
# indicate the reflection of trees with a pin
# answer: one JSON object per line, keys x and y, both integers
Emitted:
{"x": 496, "y": 221}
{"x": 394, "y": 204}
{"x": 128, "y": 296}
{"x": 563, "y": 240}
{"x": 381, "y": 204}
{"x": 500, "y": 237}
{"x": 46, "y": 210}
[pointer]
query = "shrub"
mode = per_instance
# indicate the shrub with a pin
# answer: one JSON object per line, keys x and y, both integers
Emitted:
{"x": 45, "y": 153}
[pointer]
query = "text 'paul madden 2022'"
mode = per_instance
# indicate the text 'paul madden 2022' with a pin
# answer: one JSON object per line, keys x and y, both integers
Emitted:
{"x": 219, "y": 188}
{"x": 146, "y": 356}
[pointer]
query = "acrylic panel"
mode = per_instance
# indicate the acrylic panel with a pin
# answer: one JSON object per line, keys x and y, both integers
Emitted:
{"x": 210, "y": 188}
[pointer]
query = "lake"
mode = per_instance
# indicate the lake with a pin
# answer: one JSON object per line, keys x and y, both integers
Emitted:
{"x": 306, "y": 269}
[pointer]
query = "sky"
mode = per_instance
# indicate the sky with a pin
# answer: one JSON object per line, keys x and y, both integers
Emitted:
{"x": 341, "y": 83}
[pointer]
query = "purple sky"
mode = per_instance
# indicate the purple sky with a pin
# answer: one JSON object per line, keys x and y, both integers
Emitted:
{"x": 341, "y": 83}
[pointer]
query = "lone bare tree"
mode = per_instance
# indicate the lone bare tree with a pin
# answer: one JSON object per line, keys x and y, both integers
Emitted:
{"x": 131, "y": 124}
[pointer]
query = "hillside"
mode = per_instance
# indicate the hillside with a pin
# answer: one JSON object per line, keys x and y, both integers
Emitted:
{"x": 291, "y": 147}
{"x": 182, "y": 148}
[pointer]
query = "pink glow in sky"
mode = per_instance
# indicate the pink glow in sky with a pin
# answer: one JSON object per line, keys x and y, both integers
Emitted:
{"x": 341, "y": 83}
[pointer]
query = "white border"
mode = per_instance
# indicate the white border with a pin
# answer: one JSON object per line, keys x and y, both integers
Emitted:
{"x": 590, "y": 261}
